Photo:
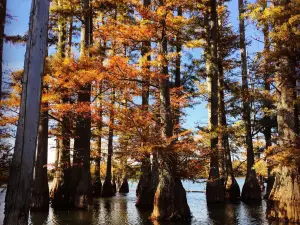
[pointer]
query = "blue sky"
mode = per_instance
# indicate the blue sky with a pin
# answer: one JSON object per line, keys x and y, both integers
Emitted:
{"x": 14, "y": 54}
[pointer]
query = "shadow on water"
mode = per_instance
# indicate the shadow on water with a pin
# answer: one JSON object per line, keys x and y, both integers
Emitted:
{"x": 38, "y": 218}
{"x": 121, "y": 210}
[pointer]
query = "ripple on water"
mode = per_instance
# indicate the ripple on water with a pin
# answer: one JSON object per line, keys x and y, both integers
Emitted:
{"x": 121, "y": 210}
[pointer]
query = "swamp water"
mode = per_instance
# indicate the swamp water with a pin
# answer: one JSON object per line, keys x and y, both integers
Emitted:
{"x": 121, "y": 210}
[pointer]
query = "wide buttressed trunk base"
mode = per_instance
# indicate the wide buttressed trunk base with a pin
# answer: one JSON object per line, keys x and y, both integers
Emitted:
{"x": 97, "y": 188}
{"x": 145, "y": 193}
{"x": 215, "y": 189}
{"x": 107, "y": 189}
{"x": 170, "y": 201}
{"x": 232, "y": 189}
{"x": 40, "y": 200}
{"x": 124, "y": 186}
{"x": 251, "y": 191}
{"x": 60, "y": 195}
{"x": 83, "y": 196}
{"x": 284, "y": 200}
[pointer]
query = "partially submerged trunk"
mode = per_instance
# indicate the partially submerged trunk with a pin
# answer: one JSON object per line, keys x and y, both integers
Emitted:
{"x": 17, "y": 200}
{"x": 284, "y": 200}
{"x": 170, "y": 197}
{"x": 81, "y": 195}
{"x": 268, "y": 105}
{"x": 108, "y": 189}
{"x": 214, "y": 185}
{"x": 40, "y": 190}
{"x": 251, "y": 189}
{"x": 124, "y": 188}
{"x": 232, "y": 189}
{"x": 60, "y": 186}
{"x": 123, "y": 185}
{"x": 145, "y": 191}
{"x": 97, "y": 185}
{"x": 170, "y": 202}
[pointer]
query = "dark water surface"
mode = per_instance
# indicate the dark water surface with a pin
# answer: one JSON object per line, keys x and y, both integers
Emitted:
{"x": 121, "y": 210}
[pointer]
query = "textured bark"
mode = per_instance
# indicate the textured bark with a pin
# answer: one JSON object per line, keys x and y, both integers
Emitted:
{"x": 170, "y": 197}
{"x": 251, "y": 189}
{"x": 284, "y": 200}
{"x": 170, "y": 201}
{"x": 40, "y": 190}
{"x": 107, "y": 188}
{"x": 17, "y": 201}
{"x": 214, "y": 186}
{"x": 2, "y": 25}
{"x": 268, "y": 105}
{"x": 61, "y": 183}
{"x": 232, "y": 189}
{"x": 81, "y": 178}
{"x": 283, "y": 203}
{"x": 97, "y": 185}
{"x": 145, "y": 191}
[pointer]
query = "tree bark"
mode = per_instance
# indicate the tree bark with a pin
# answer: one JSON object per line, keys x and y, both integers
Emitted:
{"x": 145, "y": 191}
{"x": 2, "y": 25}
{"x": 108, "y": 188}
{"x": 40, "y": 190}
{"x": 214, "y": 185}
{"x": 81, "y": 179}
{"x": 268, "y": 105}
{"x": 97, "y": 185}
{"x": 170, "y": 197}
{"x": 284, "y": 200}
{"x": 251, "y": 189}
{"x": 60, "y": 193}
{"x": 17, "y": 201}
{"x": 232, "y": 189}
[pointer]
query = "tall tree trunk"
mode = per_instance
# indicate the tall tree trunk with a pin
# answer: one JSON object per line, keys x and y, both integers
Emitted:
{"x": 170, "y": 197}
{"x": 40, "y": 190}
{"x": 81, "y": 171}
{"x": 2, "y": 25}
{"x": 268, "y": 105}
{"x": 232, "y": 189}
{"x": 60, "y": 186}
{"x": 145, "y": 191}
{"x": 284, "y": 199}
{"x": 97, "y": 185}
{"x": 214, "y": 185}
{"x": 108, "y": 188}
{"x": 251, "y": 189}
{"x": 17, "y": 201}
{"x": 124, "y": 187}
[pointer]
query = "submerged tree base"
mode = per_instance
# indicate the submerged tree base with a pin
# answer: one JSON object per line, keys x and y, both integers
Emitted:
{"x": 170, "y": 201}
{"x": 251, "y": 190}
{"x": 284, "y": 199}
{"x": 40, "y": 202}
{"x": 60, "y": 196}
{"x": 124, "y": 186}
{"x": 215, "y": 189}
{"x": 97, "y": 188}
{"x": 83, "y": 197}
{"x": 107, "y": 189}
{"x": 232, "y": 189}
